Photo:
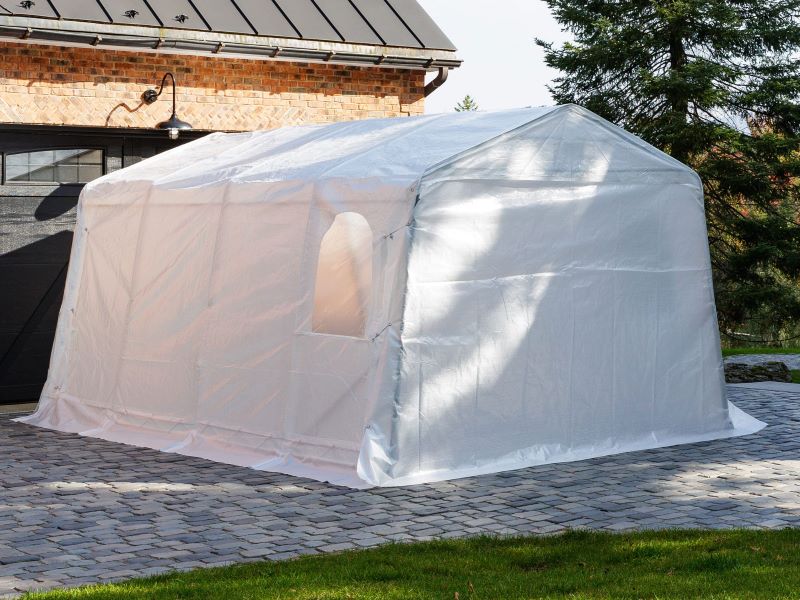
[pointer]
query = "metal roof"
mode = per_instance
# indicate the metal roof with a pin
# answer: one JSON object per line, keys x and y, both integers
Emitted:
{"x": 383, "y": 31}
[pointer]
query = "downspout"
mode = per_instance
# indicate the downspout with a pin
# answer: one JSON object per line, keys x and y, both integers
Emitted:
{"x": 438, "y": 82}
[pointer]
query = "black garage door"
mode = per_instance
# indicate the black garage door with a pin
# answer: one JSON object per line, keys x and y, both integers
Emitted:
{"x": 43, "y": 172}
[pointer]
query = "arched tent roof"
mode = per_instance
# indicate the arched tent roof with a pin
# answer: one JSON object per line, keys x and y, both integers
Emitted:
{"x": 400, "y": 150}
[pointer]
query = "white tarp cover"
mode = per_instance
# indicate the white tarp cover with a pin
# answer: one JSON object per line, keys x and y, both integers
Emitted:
{"x": 394, "y": 301}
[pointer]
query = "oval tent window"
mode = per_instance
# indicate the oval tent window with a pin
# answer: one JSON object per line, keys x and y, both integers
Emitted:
{"x": 343, "y": 284}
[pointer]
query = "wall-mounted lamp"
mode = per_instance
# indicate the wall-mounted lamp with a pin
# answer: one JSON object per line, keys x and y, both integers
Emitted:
{"x": 173, "y": 125}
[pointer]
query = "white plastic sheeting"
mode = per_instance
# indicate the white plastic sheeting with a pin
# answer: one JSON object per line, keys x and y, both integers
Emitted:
{"x": 394, "y": 301}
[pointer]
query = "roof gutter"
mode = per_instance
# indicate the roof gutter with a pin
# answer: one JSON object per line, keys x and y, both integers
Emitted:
{"x": 438, "y": 82}
{"x": 179, "y": 41}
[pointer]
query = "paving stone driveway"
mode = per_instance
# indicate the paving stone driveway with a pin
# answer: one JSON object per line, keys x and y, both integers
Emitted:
{"x": 76, "y": 510}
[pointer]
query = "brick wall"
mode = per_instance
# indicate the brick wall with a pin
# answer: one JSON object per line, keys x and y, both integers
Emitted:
{"x": 97, "y": 87}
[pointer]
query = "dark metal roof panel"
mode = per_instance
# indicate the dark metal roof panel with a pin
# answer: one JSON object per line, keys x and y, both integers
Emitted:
{"x": 222, "y": 15}
{"x": 308, "y": 20}
{"x": 80, "y": 10}
{"x": 421, "y": 24}
{"x": 348, "y": 22}
{"x": 36, "y": 9}
{"x": 401, "y": 23}
{"x": 384, "y": 21}
{"x": 266, "y": 18}
{"x": 178, "y": 14}
{"x": 140, "y": 13}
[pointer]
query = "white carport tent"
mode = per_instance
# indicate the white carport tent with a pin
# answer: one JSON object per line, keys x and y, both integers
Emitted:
{"x": 534, "y": 286}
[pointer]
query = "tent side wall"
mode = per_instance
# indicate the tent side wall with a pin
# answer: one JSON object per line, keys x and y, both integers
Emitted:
{"x": 190, "y": 323}
{"x": 559, "y": 306}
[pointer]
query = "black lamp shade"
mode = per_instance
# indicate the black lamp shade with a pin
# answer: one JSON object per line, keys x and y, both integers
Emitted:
{"x": 174, "y": 123}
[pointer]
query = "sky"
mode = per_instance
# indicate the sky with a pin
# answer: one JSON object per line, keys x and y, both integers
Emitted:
{"x": 503, "y": 67}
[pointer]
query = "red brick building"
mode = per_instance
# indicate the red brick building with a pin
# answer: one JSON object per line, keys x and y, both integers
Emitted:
{"x": 91, "y": 87}
{"x": 73, "y": 78}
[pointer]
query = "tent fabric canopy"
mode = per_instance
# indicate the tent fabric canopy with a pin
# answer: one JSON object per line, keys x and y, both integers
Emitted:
{"x": 395, "y": 301}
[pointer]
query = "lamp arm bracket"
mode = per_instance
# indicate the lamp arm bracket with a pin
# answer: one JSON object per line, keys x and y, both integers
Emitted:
{"x": 150, "y": 96}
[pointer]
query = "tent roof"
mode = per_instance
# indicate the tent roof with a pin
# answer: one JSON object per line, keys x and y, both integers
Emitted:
{"x": 399, "y": 149}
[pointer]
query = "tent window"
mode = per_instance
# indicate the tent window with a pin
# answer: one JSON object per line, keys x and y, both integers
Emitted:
{"x": 344, "y": 277}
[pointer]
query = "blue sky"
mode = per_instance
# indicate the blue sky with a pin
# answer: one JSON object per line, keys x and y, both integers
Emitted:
{"x": 503, "y": 68}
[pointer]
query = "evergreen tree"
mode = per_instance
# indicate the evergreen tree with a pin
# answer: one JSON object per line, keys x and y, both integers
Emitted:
{"x": 467, "y": 104}
{"x": 714, "y": 83}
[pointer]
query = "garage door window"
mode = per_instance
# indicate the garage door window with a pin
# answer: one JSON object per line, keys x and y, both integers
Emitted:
{"x": 74, "y": 165}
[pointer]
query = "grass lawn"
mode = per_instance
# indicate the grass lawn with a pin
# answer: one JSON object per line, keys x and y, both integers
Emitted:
{"x": 666, "y": 564}
{"x": 737, "y": 351}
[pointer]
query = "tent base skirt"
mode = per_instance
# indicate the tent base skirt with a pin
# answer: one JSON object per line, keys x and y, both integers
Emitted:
{"x": 326, "y": 463}
{"x": 76, "y": 417}
{"x": 741, "y": 424}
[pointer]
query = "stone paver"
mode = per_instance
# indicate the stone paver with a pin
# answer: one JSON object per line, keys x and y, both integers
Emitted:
{"x": 75, "y": 510}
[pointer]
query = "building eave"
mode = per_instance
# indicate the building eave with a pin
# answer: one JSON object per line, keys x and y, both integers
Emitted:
{"x": 185, "y": 41}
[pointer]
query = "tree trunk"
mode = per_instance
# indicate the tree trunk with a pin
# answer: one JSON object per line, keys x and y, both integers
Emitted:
{"x": 679, "y": 102}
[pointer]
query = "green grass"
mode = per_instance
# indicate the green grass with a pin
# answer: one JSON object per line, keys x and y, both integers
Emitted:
{"x": 738, "y": 351}
{"x": 666, "y": 564}
{"x": 795, "y": 375}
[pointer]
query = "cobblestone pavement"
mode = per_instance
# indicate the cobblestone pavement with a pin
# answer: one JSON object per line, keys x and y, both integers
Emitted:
{"x": 792, "y": 361}
{"x": 76, "y": 510}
